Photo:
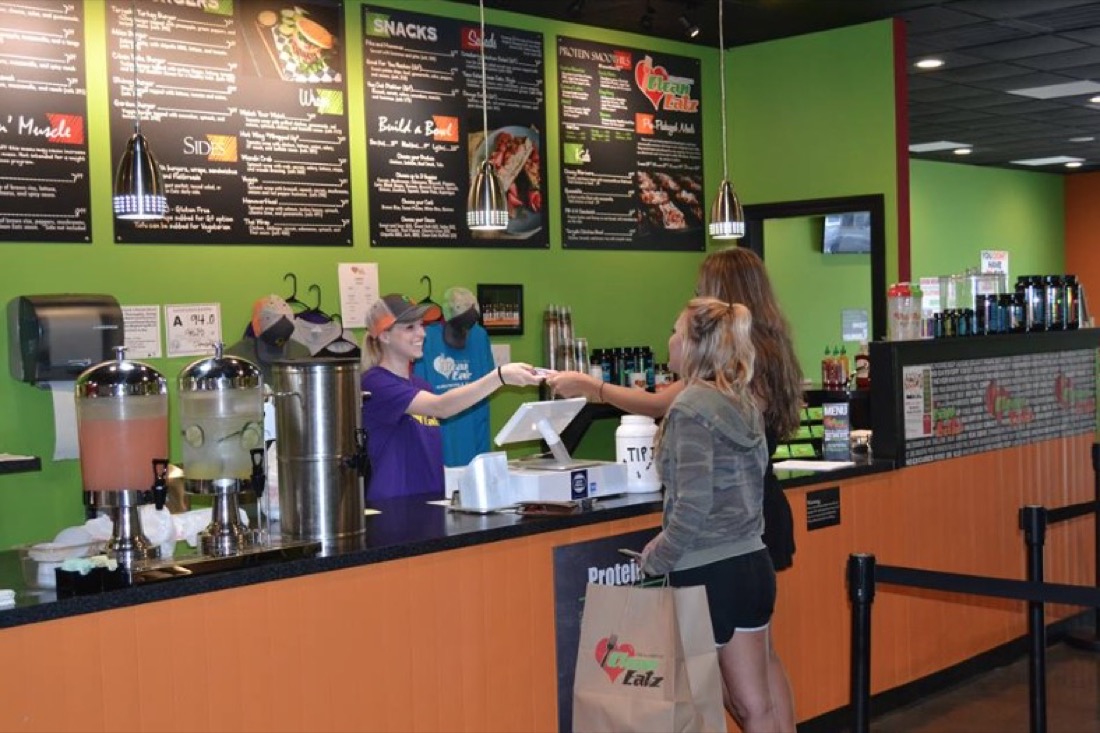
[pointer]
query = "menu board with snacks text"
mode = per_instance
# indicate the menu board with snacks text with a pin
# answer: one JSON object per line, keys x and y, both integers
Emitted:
{"x": 426, "y": 134}
{"x": 44, "y": 189}
{"x": 243, "y": 103}
{"x": 631, "y": 148}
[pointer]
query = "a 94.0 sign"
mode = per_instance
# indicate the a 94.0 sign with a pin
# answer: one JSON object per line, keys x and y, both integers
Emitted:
{"x": 192, "y": 330}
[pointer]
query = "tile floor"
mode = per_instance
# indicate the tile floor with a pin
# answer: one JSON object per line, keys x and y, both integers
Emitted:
{"x": 997, "y": 702}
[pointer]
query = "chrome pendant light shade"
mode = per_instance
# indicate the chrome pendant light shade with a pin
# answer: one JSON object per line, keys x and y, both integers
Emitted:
{"x": 139, "y": 188}
{"x": 727, "y": 219}
{"x": 486, "y": 206}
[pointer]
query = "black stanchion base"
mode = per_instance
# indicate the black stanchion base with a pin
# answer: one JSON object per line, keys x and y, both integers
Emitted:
{"x": 1083, "y": 639}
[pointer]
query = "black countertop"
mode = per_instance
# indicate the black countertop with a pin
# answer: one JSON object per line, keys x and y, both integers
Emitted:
{"x": 404, "y": 528}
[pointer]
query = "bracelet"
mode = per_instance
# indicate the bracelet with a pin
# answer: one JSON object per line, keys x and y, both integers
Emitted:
{"x": 599, "y": 392}
{"x": 500, "y": 375}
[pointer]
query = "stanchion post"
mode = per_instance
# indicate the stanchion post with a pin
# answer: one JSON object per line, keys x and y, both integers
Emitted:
{"x": 1033, "y": 521}
{"x": 861, "y": 593}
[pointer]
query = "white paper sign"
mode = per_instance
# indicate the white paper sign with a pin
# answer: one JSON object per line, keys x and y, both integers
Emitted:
{"x": 929, "y": 296}
{"x": 916, "y": 385}
{"x": 995, "y": 261}
{"x": 141, "y": 325}
{"x": 192, "y": 330}
{"x": 853, "y": 324}
{"x": 358, "y": 291}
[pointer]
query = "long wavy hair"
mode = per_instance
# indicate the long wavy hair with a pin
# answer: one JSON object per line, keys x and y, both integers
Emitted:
{"x": 737, "y": 275}
{"x": 716, "y": 347}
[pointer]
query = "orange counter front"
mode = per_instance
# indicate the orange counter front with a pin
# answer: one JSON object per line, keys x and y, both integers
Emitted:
{"x": 463, "y": 639}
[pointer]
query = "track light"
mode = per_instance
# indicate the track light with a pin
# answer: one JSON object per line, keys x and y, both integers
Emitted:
{"x": 690, "y": 29}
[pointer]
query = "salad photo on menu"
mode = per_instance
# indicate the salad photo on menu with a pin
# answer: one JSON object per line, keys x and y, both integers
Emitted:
{"x": 299, "y": 45}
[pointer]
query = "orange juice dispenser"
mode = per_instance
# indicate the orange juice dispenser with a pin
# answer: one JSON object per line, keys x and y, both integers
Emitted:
{"x": 122, "y": 428}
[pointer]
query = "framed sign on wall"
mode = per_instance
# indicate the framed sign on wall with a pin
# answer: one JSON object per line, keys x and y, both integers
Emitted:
{"x": 501, "y": 308}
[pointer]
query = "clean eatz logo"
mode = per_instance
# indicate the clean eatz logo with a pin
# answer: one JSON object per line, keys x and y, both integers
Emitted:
{"x": 618, "y": 659}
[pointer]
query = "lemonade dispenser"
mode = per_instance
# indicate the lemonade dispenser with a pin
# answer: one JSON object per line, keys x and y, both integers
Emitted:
{"x": 222, "y": 421}
{"x": 122, "y": 428}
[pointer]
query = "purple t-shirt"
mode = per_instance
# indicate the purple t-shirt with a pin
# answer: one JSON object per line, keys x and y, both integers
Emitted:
{"x": 406, "y": 451}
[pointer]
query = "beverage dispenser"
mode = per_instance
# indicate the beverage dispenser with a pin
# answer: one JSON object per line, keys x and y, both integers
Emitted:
{"x": 122, "y": 428}
{"x": 221, "y": 418}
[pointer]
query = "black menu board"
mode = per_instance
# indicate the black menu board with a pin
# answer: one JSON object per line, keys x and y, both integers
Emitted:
{"x": 426, "y": 134}
{"x": 631, "y": 148}
{"x": 244, "y": 105}
{"x": 44, "y": 190}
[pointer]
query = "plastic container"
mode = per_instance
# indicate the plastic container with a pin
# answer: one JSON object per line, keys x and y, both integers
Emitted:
{"x": 913, "y": 313}
{"x": 634, "y": 448}
{"x": 895, "y": 313}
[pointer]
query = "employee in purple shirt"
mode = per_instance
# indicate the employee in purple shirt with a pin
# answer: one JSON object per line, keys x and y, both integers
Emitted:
{"x": 402, "y": 414}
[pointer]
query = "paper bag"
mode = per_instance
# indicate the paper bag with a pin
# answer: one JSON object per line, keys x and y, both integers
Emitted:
{"x": 647, "y": 662}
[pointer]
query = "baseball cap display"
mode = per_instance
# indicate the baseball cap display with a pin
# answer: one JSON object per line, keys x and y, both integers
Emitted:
{"x": 272, "y": 320}
{"x": 460, "y": 313}
{"x": 395, "y": 308}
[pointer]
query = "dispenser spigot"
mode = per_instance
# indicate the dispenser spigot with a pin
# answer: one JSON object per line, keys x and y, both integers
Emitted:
{"x": 160, "y": 482}
{"x": 259, "y": 478}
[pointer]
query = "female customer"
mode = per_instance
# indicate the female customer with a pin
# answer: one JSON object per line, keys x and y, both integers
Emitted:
{"x": 401, "y": 414}
{"x": 711, "y": 456}
{"x": 736, "y": 275}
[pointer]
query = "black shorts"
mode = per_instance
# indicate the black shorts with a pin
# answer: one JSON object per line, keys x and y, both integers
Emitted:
{"x": 740, "y": 591}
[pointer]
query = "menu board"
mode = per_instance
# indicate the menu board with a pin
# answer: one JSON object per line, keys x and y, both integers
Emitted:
{"x": 631, "y": 148}
{"x": 244, "y": 106}
{"x": 426, "y": 134}
{"x": 44, "y": 190}
{"x": 957, "y": 408}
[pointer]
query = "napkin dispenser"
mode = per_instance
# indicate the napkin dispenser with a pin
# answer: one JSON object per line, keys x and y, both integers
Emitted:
{"x": 56, "y": 337}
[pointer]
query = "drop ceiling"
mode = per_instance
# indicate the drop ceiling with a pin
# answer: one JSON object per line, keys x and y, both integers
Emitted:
{"x": 992, "y": 50}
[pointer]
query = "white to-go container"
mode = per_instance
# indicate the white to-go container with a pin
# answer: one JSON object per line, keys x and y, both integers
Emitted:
{"x": 634, "y": 448}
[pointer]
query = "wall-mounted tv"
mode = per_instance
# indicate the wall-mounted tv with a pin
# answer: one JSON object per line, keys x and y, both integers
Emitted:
{"x": 847, "y": 233}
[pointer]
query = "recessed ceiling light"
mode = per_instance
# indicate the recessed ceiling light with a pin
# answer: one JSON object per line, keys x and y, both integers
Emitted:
{"x": 1054, "y": 91}
{"x": 1094, "y": 100}
{"x": 1082, "y": 139}
{"x": 1052, "y": 160}
{"x": 936, "y": 146}
{"x": 929, "y": 63}
{"x": 962, "y": 151}
{"x": 1073, "y": 164}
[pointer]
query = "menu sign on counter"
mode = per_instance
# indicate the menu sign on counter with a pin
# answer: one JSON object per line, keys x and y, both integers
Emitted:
{"x": 44, "y": 191}
{"x": 244, "y": 105}
{"x": 631, "y": 148}
{"x": 426, "y": 134}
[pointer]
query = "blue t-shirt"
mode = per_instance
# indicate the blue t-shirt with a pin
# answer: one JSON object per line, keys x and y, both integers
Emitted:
{"x": 445, "y": 367}
{"x": 405, "y": 452}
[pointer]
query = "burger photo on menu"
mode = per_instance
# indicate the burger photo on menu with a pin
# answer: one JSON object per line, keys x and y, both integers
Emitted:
{"x": 514, "y": 153}
{"x": 299, "y": 45}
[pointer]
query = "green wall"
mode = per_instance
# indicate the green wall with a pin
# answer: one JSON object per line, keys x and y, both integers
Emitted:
{"x": 809, "y": 117}
{"x": 959, "y": 210}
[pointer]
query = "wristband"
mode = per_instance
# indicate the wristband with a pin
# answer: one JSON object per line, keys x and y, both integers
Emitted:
{"x": 599, "y": 392}
{"x": 500, "y": 375}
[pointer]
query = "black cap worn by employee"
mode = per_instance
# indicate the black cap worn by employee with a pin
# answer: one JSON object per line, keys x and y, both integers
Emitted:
{"x": 460, "y": 313}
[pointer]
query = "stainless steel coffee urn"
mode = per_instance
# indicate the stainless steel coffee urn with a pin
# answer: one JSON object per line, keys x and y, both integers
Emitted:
{"x": 321, "y": 449}
{"x": 222, "y": 422}
{"x": 122, "y": 428}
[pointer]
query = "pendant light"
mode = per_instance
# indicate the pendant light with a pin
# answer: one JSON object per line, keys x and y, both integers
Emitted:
{"x": 139, "y": 188}
{"x": 486, "y": 207}
{"x": 727, "y": 219}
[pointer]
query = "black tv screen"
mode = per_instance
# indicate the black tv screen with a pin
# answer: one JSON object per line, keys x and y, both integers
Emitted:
{"x": 847, "y": 233}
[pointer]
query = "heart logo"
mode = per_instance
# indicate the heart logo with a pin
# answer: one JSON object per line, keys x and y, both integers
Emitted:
{"x": 643, "y": 73}
{"x": 604, "y": 648}
{"x": 445, "y": 365}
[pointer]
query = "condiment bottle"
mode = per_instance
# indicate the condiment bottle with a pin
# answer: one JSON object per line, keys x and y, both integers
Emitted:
{"x": 863, "y": 367}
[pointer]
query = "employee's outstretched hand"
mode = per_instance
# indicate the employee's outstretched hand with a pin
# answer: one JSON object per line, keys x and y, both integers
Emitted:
{"x": 518, "y": 374}
{"x": 574, "y": 384}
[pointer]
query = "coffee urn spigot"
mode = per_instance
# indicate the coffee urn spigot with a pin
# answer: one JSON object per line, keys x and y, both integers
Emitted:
{"x": 160, "y": 482}
{"x": 122, "y": 428}
{"x": 221, "y": 416}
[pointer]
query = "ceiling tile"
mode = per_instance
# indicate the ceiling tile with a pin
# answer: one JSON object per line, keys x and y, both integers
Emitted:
{"x": 967, "y": 37}
{"x": 1026, "y": 81}
{"x": 980, "y": 72}
{"x": 936, "y": 18}
{"x": 1021, "y": 48}
{"x": 1086, "y": 15}
{"x": 941, "y": 94}
{"x": 1013, "y": 8}
{"x": 1090, "y": 36}
{"x": 981, "y": 99}
{"x": 1065, "y": 60}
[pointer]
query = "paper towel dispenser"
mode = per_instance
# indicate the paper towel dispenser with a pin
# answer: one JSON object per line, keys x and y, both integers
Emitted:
{"x": 56, "y": 337}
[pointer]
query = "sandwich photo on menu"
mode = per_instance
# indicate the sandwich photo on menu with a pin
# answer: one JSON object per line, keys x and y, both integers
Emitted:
{"x": 515, "y": 157}
{"x": 300, "y": 47}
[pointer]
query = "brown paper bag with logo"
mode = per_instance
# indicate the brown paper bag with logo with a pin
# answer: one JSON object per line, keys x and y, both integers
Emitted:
{"x": 647, "y": 662}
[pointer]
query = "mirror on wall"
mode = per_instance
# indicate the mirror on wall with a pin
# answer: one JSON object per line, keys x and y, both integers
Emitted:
{"x": 829, "y": 254}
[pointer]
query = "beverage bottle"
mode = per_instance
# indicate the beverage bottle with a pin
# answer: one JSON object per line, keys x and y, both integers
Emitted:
{"x": 863, "y": 367}
{"x": 826, "y": 369}
{"x": 550, "y": 336}
{"x": 845, "y": 370}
